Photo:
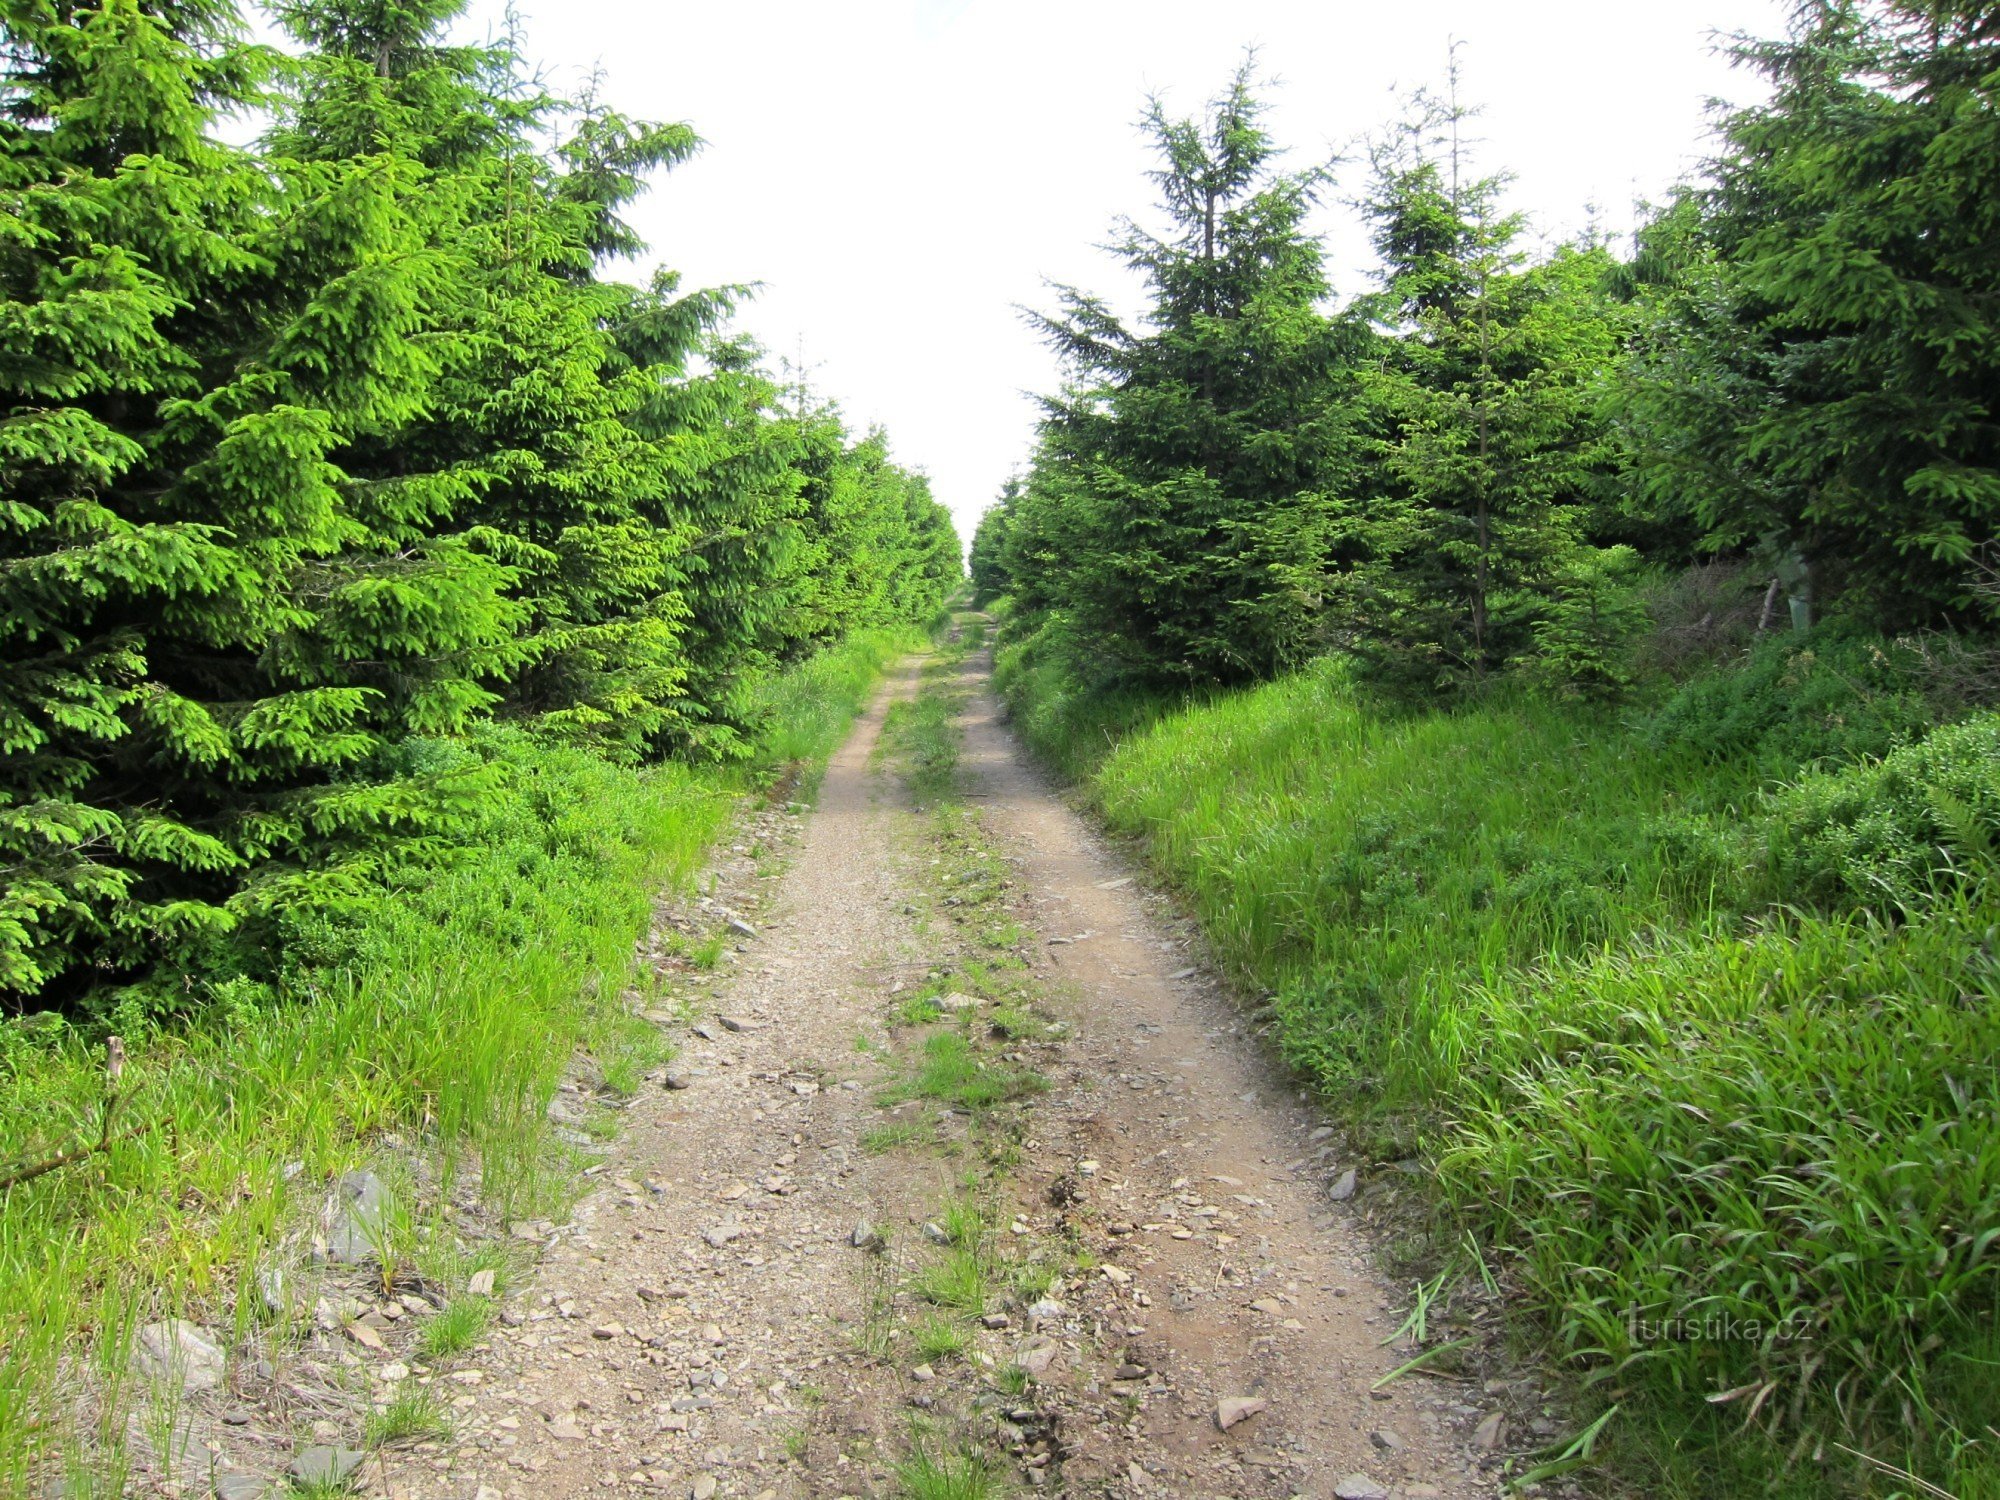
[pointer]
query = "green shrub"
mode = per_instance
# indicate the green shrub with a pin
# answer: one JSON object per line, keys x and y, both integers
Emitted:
{"x": 1895, "y": 832}
{"x": 1834, "y": 692}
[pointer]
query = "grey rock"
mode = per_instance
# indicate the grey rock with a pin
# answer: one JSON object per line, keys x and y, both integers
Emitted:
{"x": 325, "y": 1465}
{"x": 178, "y": 1350}
{"x": 739, "y": 1023}
{"x": 1343, "y": 1186}
{"x": 679, "y": 1078}
{"x": 1490, "y": 1433}
{"x": 357, "y": 1224}
{"x": 866, "y": 1236}
{"x": 1233, "y": 1409}
{"x": 276, "y": 1289}
{"x": 1359, "y": 1487}
{"x": 740, "y": 928}
{"x": 722, "y": 1234}
{"x": 240, "y": 1487}
{"x": 1036, "y": 1354}
{"x": 1386, "y": 1439}
{"x": 956, "y": 1000}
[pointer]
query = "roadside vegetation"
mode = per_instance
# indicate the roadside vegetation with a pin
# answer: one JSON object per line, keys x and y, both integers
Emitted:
{"x": 434, "y": 1029}
{"x": 1563, "y": 685}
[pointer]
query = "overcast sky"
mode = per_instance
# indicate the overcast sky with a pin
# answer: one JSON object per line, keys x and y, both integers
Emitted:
{"x": 900, "y": 176}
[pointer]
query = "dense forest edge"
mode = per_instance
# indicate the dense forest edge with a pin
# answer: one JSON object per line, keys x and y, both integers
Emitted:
{"x": 1560, "y": 680}
{"x": 393, "y": 604}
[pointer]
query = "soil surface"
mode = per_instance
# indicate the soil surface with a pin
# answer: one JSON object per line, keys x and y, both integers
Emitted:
{"x": 730, "y": 1314}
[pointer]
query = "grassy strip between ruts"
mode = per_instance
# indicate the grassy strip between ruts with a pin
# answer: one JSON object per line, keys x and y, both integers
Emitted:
{"x": 961, "y": 1050}
{"x": 1704, "y": 1061}
{"x": 443, "y": 1021}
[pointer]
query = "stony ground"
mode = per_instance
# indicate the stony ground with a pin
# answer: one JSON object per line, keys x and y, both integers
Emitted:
{"x": 967, "y": 1179}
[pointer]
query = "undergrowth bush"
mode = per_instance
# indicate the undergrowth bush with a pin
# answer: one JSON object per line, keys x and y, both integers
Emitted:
{"x": 1791, "y": 700}
{"x": 1898, "y": 831}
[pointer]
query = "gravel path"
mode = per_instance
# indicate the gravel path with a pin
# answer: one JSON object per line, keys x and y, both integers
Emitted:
{"x": 709, "y": 1325}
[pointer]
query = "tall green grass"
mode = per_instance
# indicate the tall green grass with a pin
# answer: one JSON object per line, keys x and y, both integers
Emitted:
{"x": 1073, "y": 711}
{"x": 1706, "y": 1057}
{"x": 438, "y": 1024}
{"x": 810, "y": 707}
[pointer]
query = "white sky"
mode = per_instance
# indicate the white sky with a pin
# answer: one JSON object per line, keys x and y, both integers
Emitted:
{"x": 900, "y": 174}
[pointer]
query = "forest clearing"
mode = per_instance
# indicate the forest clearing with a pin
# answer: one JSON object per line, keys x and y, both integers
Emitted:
{"x": 1411, "y": 915}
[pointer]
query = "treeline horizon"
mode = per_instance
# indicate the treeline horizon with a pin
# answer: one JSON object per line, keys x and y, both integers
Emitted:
{"x": 320, "y": 453}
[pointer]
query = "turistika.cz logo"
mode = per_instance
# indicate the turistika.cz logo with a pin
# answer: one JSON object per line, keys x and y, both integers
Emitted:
{"x": 1713, "y": 1328}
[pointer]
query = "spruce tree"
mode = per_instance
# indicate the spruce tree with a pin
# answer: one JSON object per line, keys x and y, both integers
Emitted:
{"x": 192, "y": 338}
{"x": 1473, "y": 530}
{"x": 1855, "y": 227}
{"x": 991, "y": 576}
{"x": 1198, "y": 457}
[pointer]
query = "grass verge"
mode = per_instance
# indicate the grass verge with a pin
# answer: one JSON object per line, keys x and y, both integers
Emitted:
{"x": 1691, "y": 1011}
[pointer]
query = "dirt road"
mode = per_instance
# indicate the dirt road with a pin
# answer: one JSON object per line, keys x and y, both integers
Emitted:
{"x": 969, "y": 1179}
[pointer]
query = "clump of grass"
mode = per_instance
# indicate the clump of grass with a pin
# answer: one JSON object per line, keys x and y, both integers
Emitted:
{"x": 957, "y": 1279}
{"x": 964, "y": 1224}
{"x": 945, "y": 1473}
{"x": 454, "y": 1328}
{"x": 953, "y": 1072}
{"x": 883, "y": 1139}
{"x": 917, "y": 1010}
{"x": 938, "y": 1338}
{"x": 413, "y": 1415}
{"x": 1003, "y": 936}
{"x": 625, "y": 1048}
{"x": 1013, "y": 1022}
{"x": 1034, "y": 1279}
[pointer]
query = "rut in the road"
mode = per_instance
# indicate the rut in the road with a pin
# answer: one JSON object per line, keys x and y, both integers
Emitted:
{"x": 748, "y": 1305}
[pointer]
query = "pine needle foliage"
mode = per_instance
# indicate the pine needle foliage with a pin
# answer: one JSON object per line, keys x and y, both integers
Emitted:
{"x": 1185, "y": 490}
